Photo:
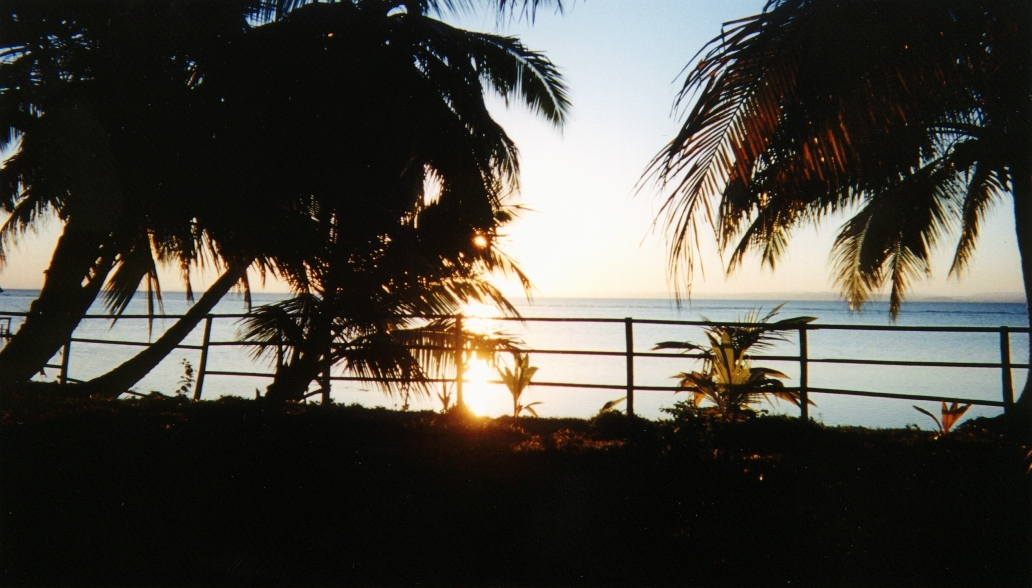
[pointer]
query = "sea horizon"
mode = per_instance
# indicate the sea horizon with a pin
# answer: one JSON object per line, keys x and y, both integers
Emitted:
{"x": 797, "y": 296}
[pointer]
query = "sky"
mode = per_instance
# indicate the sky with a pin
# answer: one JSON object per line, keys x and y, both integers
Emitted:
{"x": 590, "y": 228}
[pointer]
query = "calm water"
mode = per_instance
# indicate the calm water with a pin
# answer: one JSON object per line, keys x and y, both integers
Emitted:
{"x": 88, "y": 360}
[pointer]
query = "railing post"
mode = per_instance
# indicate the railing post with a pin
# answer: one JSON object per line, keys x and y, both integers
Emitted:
{"x": 325, "y": 379}
{"x": 804, "y": 376}
{"x": 1005, "y": 365}
{"x": 460, "y": 362}
{"x": 629, "y": 336}
{"x": 199, "y": 387}
{"x": 65, "y": 353}
{"x": 279, "y": 353}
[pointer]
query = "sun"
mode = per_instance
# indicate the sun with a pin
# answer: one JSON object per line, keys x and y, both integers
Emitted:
{"x": 476, "y": 389}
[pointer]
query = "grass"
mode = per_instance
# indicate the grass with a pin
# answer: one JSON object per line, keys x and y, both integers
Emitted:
{"x": 168, "y": 492}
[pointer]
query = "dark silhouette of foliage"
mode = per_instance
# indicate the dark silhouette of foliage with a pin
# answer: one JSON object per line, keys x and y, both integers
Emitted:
{"x": 314, "y": 495}
{"x": 230, "y": 144}
{"x": 101, "y": 102}
{"x": 409, "y": 177}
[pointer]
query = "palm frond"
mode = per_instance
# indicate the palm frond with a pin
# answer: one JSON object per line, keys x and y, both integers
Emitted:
{"x": 983, "y": 191}
{"x": 273, "y": 10}
{"x": 385, "y": 360}
{"x": 131, "y": 268}
{"x": 892, "y": 236}
{"x": 25, "y": 215}
{"x": 808, "y": 108}
{"x": 285, "y": 323}
{"x": 518, "y": 73}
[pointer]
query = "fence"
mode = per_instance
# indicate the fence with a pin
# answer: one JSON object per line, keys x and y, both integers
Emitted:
{"x": 803, "y": 357}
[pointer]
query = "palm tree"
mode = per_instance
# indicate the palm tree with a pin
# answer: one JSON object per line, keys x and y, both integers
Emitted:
{"x": 224, "y": 203}
{"x": 100, "y": 102}
{"x": 914, "y": 116}
{"x": 379, "y": 105}
{"x": 390, "y": 247}
{"x": 364, "y": 309}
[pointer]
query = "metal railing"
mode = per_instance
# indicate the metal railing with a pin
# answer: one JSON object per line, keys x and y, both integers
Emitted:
{"x": 803, "y": 357}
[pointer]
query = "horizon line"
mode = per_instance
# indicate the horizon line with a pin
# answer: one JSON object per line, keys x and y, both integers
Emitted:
{"x": 800, "y": 296}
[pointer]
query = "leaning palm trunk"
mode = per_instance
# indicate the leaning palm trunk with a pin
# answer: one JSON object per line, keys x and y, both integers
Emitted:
{"x": 291, "y": 380}
{"x": 61, "y": 304}
{"x": 78, "y": 154}
{"x": 119, "y": 380}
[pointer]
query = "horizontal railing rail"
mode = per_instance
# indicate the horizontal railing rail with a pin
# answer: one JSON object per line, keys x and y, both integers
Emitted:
{"x": 629, "y": 385}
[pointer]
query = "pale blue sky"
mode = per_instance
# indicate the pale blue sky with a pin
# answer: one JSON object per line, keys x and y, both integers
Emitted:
{"x": 590, "y": 234}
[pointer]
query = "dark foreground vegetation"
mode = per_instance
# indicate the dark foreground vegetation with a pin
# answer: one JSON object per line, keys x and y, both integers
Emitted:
{"x": 234, "y": 492}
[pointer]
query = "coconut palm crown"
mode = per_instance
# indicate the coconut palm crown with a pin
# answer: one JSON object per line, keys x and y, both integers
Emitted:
{"x": 913, "y": 117}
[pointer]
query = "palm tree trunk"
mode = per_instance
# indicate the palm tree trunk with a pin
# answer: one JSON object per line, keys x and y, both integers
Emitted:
{"x": 1023, "y": 227}
{"x": 118, "y": 380}
{"x": 292, "y": 380}
{"x": 74, "y": 278}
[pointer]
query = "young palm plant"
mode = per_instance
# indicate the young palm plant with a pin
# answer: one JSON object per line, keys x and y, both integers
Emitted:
{"x": 517, "y": 380}
{"x": 951, "y": 415}
{"x": 445, "y": 397}
{"x": 729, "y": 380}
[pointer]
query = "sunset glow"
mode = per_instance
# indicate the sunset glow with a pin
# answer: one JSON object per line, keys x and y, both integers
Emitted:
{"x": 476, "y": 390}
{"x": 477, "y": 317}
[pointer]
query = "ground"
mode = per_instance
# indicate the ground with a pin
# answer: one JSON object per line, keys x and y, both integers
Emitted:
{"x": 237, "y": 492}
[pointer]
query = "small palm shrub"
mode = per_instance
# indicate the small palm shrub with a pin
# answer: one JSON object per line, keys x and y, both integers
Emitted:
{"x": 729, "y": 382}
{"x": 517, "y": 380}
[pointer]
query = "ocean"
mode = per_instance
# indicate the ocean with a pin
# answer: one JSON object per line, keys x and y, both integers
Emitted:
{"x": 90, "y": 359}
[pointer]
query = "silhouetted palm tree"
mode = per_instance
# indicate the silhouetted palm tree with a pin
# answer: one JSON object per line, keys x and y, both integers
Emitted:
{"x": 360, "y": 108}
{"x": 100, "y": 102}
{"x": 371, "y": 323}
{"x": 407, "y": 114}
{"x": 914, "y": 116}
